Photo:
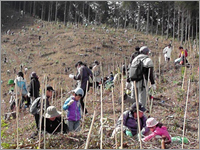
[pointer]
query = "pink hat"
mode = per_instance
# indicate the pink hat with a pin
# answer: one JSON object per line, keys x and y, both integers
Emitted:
{"x": 151, "y": 122}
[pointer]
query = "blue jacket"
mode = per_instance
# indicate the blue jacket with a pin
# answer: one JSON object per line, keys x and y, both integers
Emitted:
{"x": 21, "y": 83}
{"x": 74, "y": 110}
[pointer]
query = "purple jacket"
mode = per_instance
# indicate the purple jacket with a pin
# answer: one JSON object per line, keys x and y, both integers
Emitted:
{"x": 130, "y": 122}
{"x": 74, "y": 110}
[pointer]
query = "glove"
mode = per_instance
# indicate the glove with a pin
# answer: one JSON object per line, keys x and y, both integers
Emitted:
{"x": 154, "y": 87}
{"x": 71, "y": 76}
{"x": 29, "y": 94}
{"x": 128, "y": 133}
{"x": 70, "y": 102}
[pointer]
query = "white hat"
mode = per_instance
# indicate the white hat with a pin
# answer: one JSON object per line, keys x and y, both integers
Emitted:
{"x": 151, "y": 122}
{"x": 79, "y": 91}
{"x": 52, "y": 112}
{"x": 144, "y": 50}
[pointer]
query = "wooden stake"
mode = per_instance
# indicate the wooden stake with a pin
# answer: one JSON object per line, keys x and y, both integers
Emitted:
{"x": 137, "y": 104}
{"x": 185, "y": 113}
{"x": 114, "y": 116}
{"x": 17, "y": 114}
{"x": 89, "y": 133}
{"x": 159, "y": 60}
{"x": 45, "y": 105}
{"x": 184, "y": 77}
{"x": 101, "y": 140}
{"x": 122, "y": 133}
{"x": 61, "y": 112}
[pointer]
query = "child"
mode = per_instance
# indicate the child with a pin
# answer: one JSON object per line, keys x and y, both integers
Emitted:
{"x": 157, "y": 129}
{"x": 72, "y": 104}
{"x": 11, "y": 92}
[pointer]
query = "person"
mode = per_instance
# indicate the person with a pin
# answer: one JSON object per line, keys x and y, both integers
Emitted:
{"x": 83, "y": 75}
{"x": 35, "y": 107}
{"x": 97, "y": 73}
{"x": 182, "y": 56}
{"x": 34, "y": 87}
{"x": 72, "y": 104}
{"x": 157, "y": 131}
{"x": 130, "y": 125}
{"x": 134, "y": 54}
{"x": 167, "y": 53}
{"x": 11, "y": 92}
{"x": 148, "y": 68}
{"x": 22, "y": 89}
{"x": 53, "y": 121}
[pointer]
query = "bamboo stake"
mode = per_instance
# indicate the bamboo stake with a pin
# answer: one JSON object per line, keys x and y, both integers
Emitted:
{"x": 41, "y": 109}
{"x": 101, "y": 140}
{"x": 84, "y": 107}
{"x": 137, "y": 104}
{"x": 159, "y": 60}
{"x": 17, "y": 114}
{"x": 185, "y": 113}
{"x": 122, "y": 133}
{"x": 184, "y": 77}
{"x": 61, "y": 113}
{"x": 114, "y": 116}
{"x": 89, "y": 133}
{"x": 147, "y": 87}
{"x": 45, "y": 105}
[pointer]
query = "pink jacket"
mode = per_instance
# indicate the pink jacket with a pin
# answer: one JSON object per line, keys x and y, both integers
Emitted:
{"x": 158, "y": 131}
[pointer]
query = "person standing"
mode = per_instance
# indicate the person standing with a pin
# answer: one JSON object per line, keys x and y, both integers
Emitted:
{"x": 148, "y": 68}
{"x": 82, "y": 77}
{"x": 167, "y": 53}
{"x": 34, "y": 88}
{"x": 96, "y": 72}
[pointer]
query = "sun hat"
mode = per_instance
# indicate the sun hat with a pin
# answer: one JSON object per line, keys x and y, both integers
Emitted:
{"x": 144, "y": 50}
{"x": 134, "y": 107}
{"x": 151, "y": 122}
{"x": 52, "y": 112}
{"x": 79, "y": 91}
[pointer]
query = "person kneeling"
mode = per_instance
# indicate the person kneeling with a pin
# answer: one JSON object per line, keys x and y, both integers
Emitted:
{"x": 53, "y": 121}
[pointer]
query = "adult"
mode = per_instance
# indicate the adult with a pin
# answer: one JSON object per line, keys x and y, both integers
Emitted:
{"x": 134, "y": 54}
{"x": 130, "y": 122}
{"x": 82, "y": 77}
{"x": 22, "y": 89}
{"x": 147, "y": 70}
{"x": 53, "y": 121}
{"x": 96, "y": 73}
{"x": 167, "y": 53}
{"x": 35, "y": 107}
{"x": 34, "y": 87}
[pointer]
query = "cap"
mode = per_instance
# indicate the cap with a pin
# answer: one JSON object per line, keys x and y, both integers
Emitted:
{"x": 151, "y": 122}
{"x": 50, "y": 88}
{"x": 79, "y": 91}
{"x": 52, "y": 112}
{"x": 144, "y": 50}
{"x": 134, "y": 107}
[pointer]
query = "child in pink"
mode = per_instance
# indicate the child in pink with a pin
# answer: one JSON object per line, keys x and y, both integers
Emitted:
{"x": 157, "y": 129}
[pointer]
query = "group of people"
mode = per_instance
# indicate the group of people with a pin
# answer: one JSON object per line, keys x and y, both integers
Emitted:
{"x": 74, "y": 105}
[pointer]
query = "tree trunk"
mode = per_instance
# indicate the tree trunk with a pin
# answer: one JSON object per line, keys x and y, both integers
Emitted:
{"x": 197, "y": 29}
{"x": 147, "y": 25}
{"x": 174, "y": 24}
{"x": 68, "y": 18}
{"x": 88, "y": 13}
{"x": 24, "y": 7}
{"x": 178, "y": 24}
{"x": 83, "y": 13}
{"x": 182, "y": 26}
{"x": 65, "y": 9}
{"x": 189, "y": 25}
{"x": 167, "y": 36}
{"x": 186, "y": 26}
{"x": 162, "y": 21}
{"x": 56, "y": 11}
{"x": 42, "y": 13}
{"x": 49, "y": 13}
{"x": 138, "y": 21}
{"x": 20, "y": 7}
{"x": 152, "y": 23}
{"x": 34, "y": 8}
{"x": 30, "y": 7}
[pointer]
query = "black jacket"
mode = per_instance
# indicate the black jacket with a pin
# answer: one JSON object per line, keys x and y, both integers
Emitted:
{"x": 34, "y": 87}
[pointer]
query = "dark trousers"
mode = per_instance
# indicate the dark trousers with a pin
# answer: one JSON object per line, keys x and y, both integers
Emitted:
{"x": 37, "y": 120}
{"x": 82, "y": 103}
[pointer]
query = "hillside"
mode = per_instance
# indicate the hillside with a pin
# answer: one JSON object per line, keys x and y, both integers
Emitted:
{"x": 55, "y": 55}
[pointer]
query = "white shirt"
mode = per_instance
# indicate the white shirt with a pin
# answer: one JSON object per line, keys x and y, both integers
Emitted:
{"x": 167, "y": 50}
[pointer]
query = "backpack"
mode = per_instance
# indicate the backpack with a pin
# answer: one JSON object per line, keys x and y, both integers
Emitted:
{"x": 136, "y": 70}
{"x": 35, "y": 107}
